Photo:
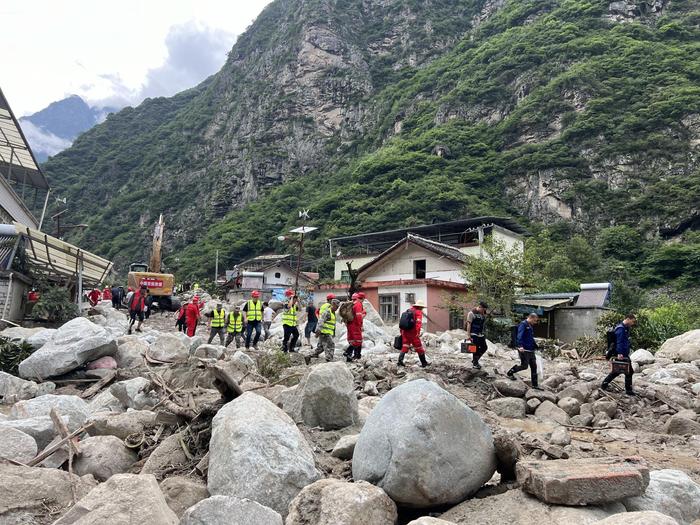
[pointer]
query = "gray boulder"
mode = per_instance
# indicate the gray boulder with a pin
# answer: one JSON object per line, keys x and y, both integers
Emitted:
{"x": 41, "y": 428}
{"x": 335, "y": 502}
{"x": 570, "y": 405}
{"x": 229, "y": 510}
{"x": 13, "y": 389}
{"x": 74, "y": 344}
{"x": 580, "y": 391}
{"x": 642, "y": 357}
{"x": 519, "y": 508}
{"x": 670, "y": 492}
{"x": 130, "y": 353}
{"x": 325, "y": 397}
{"x": 19, "y": 334}
{"x": 124, "y": 499}
{"x": 413, "y": 444}
{"x": 26, "y": 491}
{"x": 639, "y": 518}
{"x": 40, "y": 337}
{"x": 345, "y": 447}
{"x": 682, "y": 426}
{"x": 604, "y": 406}
{"x": 182, "y": 493}
{"x": 71, "y": 407}
{"x": 560, "y": 436}
{"x": 16, "y": 445}
{"x": 684, "y": 347}
{"x": 210, "y": 351}
{"x": 257, "y": 452}
{"x": 511, "y": 407}
{"x": 167, "y": 454}
{"x": 427, "y": 520}
{"x": 169, "y": 348}
{"x": 510, "y": 388}
{"x": 105, "y": 402}
{"x": 121, "y": 425}
{"x": 135, "y": 393}
{"x": 549, "y": 410}
{"x": 103, "y": 456}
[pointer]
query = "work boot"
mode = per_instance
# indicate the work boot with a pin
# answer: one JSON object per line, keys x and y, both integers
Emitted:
{"x": 423, "y": 361}
{"x": 604, "y": 386}
{"x": 401, "y": 358}
{"x": 476, "y": 365}
{"x": 307, "y": 360}
{"x": 630, "y": 392}
{"x": 511, "y": 375}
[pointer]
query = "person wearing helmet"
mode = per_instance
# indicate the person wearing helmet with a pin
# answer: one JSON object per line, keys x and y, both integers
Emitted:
{"x": 410, "y": 325}
{"x": 252, "y": 318}
{"x": 326, "y": 331}
{"x": 354, "y": 350}
{"x": 327, "y": 304}
{"x": 137, "y": 307}
{"x": 289, "y": 323}
{"x": 192, "y": 316}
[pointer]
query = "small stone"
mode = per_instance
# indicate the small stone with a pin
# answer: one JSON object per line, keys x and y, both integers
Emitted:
{"x": 345, "y": 447}
{"x": 532, "y": 405}
{"x": 570, "y": 405}
{"x": 549, "y": 410}
{"x": 509, "y": 407}
{"x": 508, "y": 387}
{"x": 370, "y": 388}
{"x": 181, "y": 493}
{"x": 560, "y": 436}
{"x": 602, "y": 406}
{"x": 230, "y": 510}
{"x": 582, "y": 420}
{"x": 542, "y": 395}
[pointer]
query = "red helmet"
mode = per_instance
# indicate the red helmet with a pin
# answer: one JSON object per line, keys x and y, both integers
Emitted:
{"x": 130, "y": 289}
{"x": 255, "y": 293}
{"x": 355, "y": 296}
{"x": 289, "y": 293}
{"x": 330, "y": 296}
{"x": 195, "y": 299}
{"x": 361, "y": 295}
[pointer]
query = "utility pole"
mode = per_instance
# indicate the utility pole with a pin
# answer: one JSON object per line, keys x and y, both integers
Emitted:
{"x": 216, "y": 268}
{"x": 302, "y": 230}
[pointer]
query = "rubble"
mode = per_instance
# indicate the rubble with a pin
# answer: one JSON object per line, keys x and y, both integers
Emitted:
{"x": 208, "y": 424}
{"x": 226, "y": 510}
{"x": 413, "y": 444}
{"x": 588, "y": 481}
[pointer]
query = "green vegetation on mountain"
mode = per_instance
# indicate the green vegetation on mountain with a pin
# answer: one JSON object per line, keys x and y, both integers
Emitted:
{"x": 585, "y": 128}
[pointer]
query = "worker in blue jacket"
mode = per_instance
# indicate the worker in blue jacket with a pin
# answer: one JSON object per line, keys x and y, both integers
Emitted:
{"x": 526, "y": 349}
{"x": 622, "y": 347}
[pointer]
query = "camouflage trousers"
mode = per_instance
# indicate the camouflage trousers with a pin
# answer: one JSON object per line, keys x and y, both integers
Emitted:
{"x": 325, "y": 344}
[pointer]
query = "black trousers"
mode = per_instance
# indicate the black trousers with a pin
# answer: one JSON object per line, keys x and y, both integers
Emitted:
{"x": 290, "y": 332}
{"x": 628, "y": 377}
{"x": 253, "y": 325}
{"x": 527, "y": 359}
{"x": 481, "y": 347}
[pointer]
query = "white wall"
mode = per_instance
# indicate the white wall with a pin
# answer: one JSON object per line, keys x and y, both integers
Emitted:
{"x": 400, "y": 265}
{"x": 357, "y": 262}
{"x": 286, "y": 277}
{"x": 509, "y": 238}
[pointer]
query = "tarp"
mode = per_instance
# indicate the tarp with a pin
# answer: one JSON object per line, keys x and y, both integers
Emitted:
{"x": 55, "y": 256}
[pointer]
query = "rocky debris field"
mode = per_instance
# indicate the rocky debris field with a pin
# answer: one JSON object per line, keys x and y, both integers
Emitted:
{"x": 160, "y": 428}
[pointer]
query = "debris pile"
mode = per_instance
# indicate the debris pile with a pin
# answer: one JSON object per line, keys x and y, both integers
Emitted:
{"x": 161, "y": 428}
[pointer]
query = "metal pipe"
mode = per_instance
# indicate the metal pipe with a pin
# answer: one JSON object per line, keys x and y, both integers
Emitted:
{"x": 43, "y": 212}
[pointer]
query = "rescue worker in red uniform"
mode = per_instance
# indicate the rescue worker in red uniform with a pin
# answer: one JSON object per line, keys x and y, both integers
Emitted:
{"x": 137, "y": 307}
{"x": 354, "y": 350}
{"x": 192, "y": 316}
{"x": 94, "y": 296}
{"x": 411, "y": 336}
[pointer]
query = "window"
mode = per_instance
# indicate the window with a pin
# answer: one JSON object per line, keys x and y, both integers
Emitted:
{"x": 410, "y": 298}
{"x": 389, "y": 307}
{"x": 344, "y": 276}
{"x": 278, "y": 275}
{"x": 456, "y": 319}
{"x": 419, "y": 269}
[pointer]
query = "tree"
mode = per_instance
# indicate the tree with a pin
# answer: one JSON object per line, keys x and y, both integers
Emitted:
{"x": 498, "y": 275}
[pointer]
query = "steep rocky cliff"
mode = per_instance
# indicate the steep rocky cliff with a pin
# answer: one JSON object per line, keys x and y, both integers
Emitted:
{"x": 380, "y": 113}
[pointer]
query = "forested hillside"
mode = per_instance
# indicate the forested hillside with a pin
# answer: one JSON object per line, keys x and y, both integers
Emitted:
{"x": 579, "y": 118}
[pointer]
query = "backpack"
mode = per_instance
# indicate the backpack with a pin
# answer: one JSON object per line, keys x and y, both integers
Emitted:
{"x": 513, "y": 336}
{"x": 408, "y": 320}
{"x": 346, "y": 313}
{"x": 611, "y": 342}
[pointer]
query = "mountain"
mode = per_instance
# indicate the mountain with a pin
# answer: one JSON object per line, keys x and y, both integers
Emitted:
{"x": 381, "y": 113}
{"x": 55, "y": 127}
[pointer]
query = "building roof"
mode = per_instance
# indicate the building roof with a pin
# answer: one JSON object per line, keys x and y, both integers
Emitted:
{"x": 17, "y": 162}
{"x": 436, "y": 247}
{"x": 451, "y": 233}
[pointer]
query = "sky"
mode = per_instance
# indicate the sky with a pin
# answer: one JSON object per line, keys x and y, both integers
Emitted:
{"x": 113, "y": 53}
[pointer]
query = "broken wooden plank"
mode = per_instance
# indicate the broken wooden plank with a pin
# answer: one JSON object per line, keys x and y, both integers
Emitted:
{"x": 99, "y": 385}
{"x": 53, "y": 448}
{"x": 62, "y": 429}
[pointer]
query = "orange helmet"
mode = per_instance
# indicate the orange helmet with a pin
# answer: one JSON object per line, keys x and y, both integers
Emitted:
{"x": 255, "y": 293}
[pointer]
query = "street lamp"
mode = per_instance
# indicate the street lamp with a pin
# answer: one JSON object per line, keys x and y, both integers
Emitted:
{"x": 301, "y": 230}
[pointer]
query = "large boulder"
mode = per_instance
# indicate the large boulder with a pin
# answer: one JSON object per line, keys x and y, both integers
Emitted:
{"x": 325, "y": 398}
{"x": 586, "y": 481}
{"x": 229, "y": 510}
{"x": 510, "y": 407}
{"x": 510, "y": 388}
{"x": 670, "y": 492}
{"x": 40, "y": 337}
{"x": 684, "y": 347}
{"x": 71, "y": 407}
{"x": 337, "y": 502}
{"x": 682, "y": 426}
{"x": 168, "y": 453}
{"x": 519, "y": 508}
{"x": 169, "y": 348}
{"x": 16, "y": 445}
{"x": 130, "y": 352}
{"x": 639, "y": 518}
{"x": 13, "y": 389}
{"x": 413, "y": 444}
{"x": 135, "y": 393}
{"x": 19, "y": 334}
{"x": 257, "y": 452}
{"x": 124, "y": 499}
{"x": 105, "y": 402}
{"x": 103, "y": 456}
{"x": 28, "y": 491}
{"x": 549, "y": 410}
{"x": 74, "y": 344}
{"x": 642, "y": 357}
{"x": 121, "y": 425}
{"x": 182, "y": 493}
{"x": 41, "y": 428}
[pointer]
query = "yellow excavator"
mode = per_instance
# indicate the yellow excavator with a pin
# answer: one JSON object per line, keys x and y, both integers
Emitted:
{"x": 160, "y": 285}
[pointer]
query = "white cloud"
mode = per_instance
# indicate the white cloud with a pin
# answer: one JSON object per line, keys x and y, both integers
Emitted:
{"x": 42, "y": 141}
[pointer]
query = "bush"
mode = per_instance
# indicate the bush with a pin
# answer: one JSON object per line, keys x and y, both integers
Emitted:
{"x": 655, "y": 325}
{"x": 270, "y": 366}
{"x": 54, "y": 305}
{"x": 12, "y": 354}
